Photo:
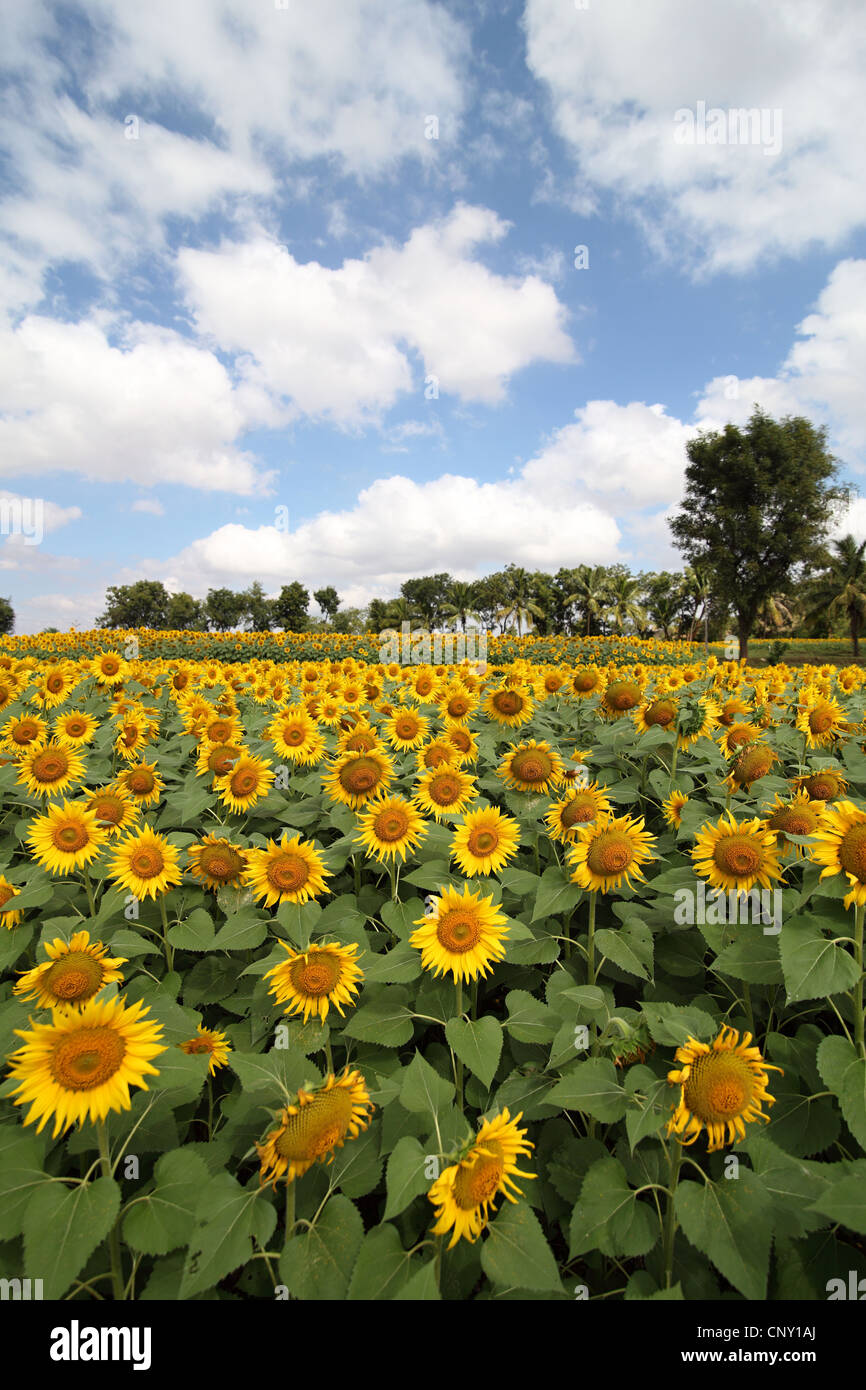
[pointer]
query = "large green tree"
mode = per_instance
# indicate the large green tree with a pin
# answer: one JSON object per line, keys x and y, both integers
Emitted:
{"x": 328, "y": 600}
{"x": 290, "y": 608}
{"x": 258, "y": 608}
{"x": 430, "y": 597}
{"x": 185, "y": 613}
{"x": 757, "y": 506}
{"x": 143, "y": 604}
{"x": 224, "y": 609}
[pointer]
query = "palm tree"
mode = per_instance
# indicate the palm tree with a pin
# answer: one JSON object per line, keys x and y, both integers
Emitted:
{"x": 699, "y": 585}
{"x": 462, "y": 604}
{"x": 592, "y": 592}
{"x": 518, "y": 603}
{"x": 842, "y": 588}
{"x": 667, "y": 610}
{"x": 624, "y": 606}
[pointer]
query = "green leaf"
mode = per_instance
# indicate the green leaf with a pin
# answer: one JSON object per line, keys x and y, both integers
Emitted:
{"x": 592, "y": 1088}
{"x": 516, "y": 1253}
{"x": 383, "y": 1267}
{"x": 556, "y": 894}
{"x": 729, "y": 1222}
{"x": 478, "y": 1044}
{"x": 609, "y": 1217}
{"x": 671, "y": 1024}
{"x": 163, "y": 1219}
{"x": 844, "y": 1073}
{"x": 228, "y": 1219}
{"x": 181, "y": 1075}
{"x": 273, "y": 1075}
{"x": 631, "y": 948}
{"x": 423, "y": 1090}
{"x": 398, "y": 966}
{"x": 814, "y": 965}
{"x": 195, "y": 933}
{"x": 62, "y": 1228}
{"x": 754, "y": 958}
{"x": 844, "y": 1200}
{"x": 243, "y": 931}
{"x": 528, "y": 1019}
{"x": 422, "y": 1286}
{"x": 316, "y": 1264}
{"x": 20, "y": 1176}
{"x": 386, "y": 1020}
{"x": 405, "y": 1178}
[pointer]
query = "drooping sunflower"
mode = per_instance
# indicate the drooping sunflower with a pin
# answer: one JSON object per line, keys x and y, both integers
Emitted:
{"x": 752, "y": 763}
{"x": 509, "y": 706}
{"x": 217, "y": 862}
{"x": 445, "y": 791}
{"x": 208, "y": 1040}
{"x": 672, "y": 808}
{"x": 145, "y": 864}
{"x": 620, "y": 697}
{"x": 531, "y": 767}
{"x": 737, "y": 854}
{"x": 584, "y": 804}
{"x": 722, "y": 1088}
{"x": 115, "y": 811}
{"x": 76, "y": 970}
{"x": 840, "y": 846}
{"x": 310, "y": 981}
{"x": 464, "y": 933}
{"x": 76, "y": 728}
{"x": 609, "y": 850}
{"x": 656, "y": 713}
{"x": 245, "y": 783}
{"x": 464, "y": 1193}
{"x": 824, "y": 785}
{"x": 797, "y": 816}
{"x": 142, "y": 783}
{"x": 82, "y": 1064}
{"x": 9, "y": 916}
{"x": 50, "y": 768}
{"x": 289, "y": 871}
{"x": 484, "y": 841}
{"x": 355, "y": 778}
{"x": 310, "y": 1131}
{"x": 66, "y": 837}
{"x": 390, "y": 826}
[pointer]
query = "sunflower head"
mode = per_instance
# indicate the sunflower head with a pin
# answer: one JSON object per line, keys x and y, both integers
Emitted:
{"x": 76, "y": 970}
{"x": 610, "y": 850}
{"x": 464, "y": 934}
{"x": 737, "y": 855}
{"x": 464, "y": 1194}
{"x": 313, "y": 1129}
{"x": 208, "y": 1041}
{"x": 722, "y": 1088}
{"x": 310, "y": 981}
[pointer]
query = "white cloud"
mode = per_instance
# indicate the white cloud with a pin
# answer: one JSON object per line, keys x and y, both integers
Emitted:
{"x": 149, "y": 504}
{"x": 618, "y": 72}
{"x": 333, "y": 341}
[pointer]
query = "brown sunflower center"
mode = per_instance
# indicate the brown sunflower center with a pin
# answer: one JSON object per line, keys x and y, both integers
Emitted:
{"x": 222, "y": 759}
{"x": 25, "y": 732}
{"x": 610, "y": 853}
{"x": 130, "y": 734}
{"x": 458, "y": 706}
{"x": 820, "y": 720}
{"x": 532, "y": 766}
{"x": 822, "y": 787}
{"x": 580, "y": 808}
{"x": 479, "y": 1183}
{"x": 87, "y": 1058}
{"x": 196, "y": 1045}
{"x": 219, "y": 731}
{"x": 444, "y": 789}
{"x": 406, "y": 727}
{"x": 391, "y": 825}
{"x": 360, "y": 776}
{"x": 50, "y": 766}
{"x": 458, "y": 930}
{"x": 244, "y": 782}
{"x": 108, "y": 809}
{"x": 460, "y": 740}
{"x": 482, "y": 842}
{"x": 70, "y": 837}
{"x": 622, "y": 695}
{"x": 739, "y": 735}
{"x": 585, "y": 680}
{"x": 852, "y": 852}
{"x": 738, "y": 856}
{"x": 317, "y": 1128}
{"x": 141, "y": 782}
{"x": 752, "y": 764}
{"x": 317, "y": 975}
{"x": 288, "y": 873}
{"x": 109, "y": 666}
{"x": 795, "y": 822}
{"x": 77, "y": 975}
{"x": 508, "y": 702}
{"x": 221, "y": 862}
{"x": 55, "y": 684}
{"x": 294, "y": 734}
{"x": 719, "y": 1086}
{"x": 5, "y": 894}
{"x": 75, "y": 727}
{"x": 147, "y": 861}
{"x": 660, "y": 712}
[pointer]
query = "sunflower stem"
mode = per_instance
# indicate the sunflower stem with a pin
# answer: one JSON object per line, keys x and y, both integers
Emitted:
{"x": 114, "y": 1235}
{"x": 357, "y": 868}
{"x": 169, "y": 952}
{"x": 290, "y": 1211}
{"x": 675, "y": 1154}
{"x": 458, "y": 1065}
{"x": 859, "y": 913}
{"x": 674, "y": 764}
{"x": 329, "y": 1061}
{"x": 747, "y": 1004}
{"x": 590, "y": 940}
{"x": 88, "y": 888}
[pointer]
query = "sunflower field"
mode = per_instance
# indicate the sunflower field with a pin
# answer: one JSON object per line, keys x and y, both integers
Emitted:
{"x": 330, "y": 979}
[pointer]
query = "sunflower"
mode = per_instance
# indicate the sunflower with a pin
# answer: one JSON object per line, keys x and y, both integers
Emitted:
{"x": 406, "y": 729}
{"x": 9, "y": 916}
{"x": 824, "y": 785}
{"x": 722, "y": 1088}
{"x": 50, "y": 768}
{"x": 245, "y": 783}
{"x": 656, "y": 714}
{"x": 445, "y": 791}
{"x": 115, "y": 811}
{"x": 24, "y": 733}
{"x": 295, "y": 736}
{"x": 355, "y": 778}
{"x": 464, "y": 934}
{"x": 564, "y": 817}
{"x": 208, "y": 1040}
{"x": 752, "y": 763}
{"x": 288, "y": 872}
{"x": 142, "y": 783}
{"x": 457, "y": 704}
{"x": 508, "y": 706}
{"x": 436, "y": 753}
{"x": 359, "y": 740}
{"x": 735, "y": 736}
{"x": 820, "y": 720}
{"x": 310, "y": 981}
{"x": 216, "y": 863}
{"x": 109, "y": 668}
{"x": 82, "y": 1064}
{"x": 145, "y": 864}
{"x": 75, "y": 971}
{"x": 672, "y": 808}
{"x": 620, "y": 697}
{"x": 66, "y": 837}
{"x": 840, "y": 845}
{"x": 463, "y": 743}
{"x": 485, "y": 841}
{"x": 391, "y": 826}
{"x": 218, "y": 759}
{"x": 531, "y": 767}
{"x": 464, "y": 1193}
{"x": 610, "y": 850}
{"x": 310, "y": 1131}
{"x": 75, "y": 729}
{"x": 56, "y": 684}
{"x": 797, "y": 816}
{"x": 586, "y": 681}
{"x": 736, "y": 854}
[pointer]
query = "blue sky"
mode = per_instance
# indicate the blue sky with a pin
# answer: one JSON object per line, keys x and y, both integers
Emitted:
{"x": 240, "y": 280}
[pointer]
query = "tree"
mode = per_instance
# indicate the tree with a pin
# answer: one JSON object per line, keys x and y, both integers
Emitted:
{"x": 143, "y": 604}
{"x": 328, "y": 600}
{"x": 349, "y": 620}
{"x": 842, "y": 588}
{"x": 258, "y": 608}
{"x": 429, "y": 595}
{"x": 290, "y": 607}
{"x": 758, "y": 504}
{"x": 624, "y": 605}
{"x": 377, "y": 615}
{"x": 184, "y": 613}
{"x": 590, "y": 594}
{"x": 7, "y": 616}
{"x": 490, "y": 597}
{"x": 461, "y": 602}
{"x": 519, "y": 603}
{"x": 224, "y": 609}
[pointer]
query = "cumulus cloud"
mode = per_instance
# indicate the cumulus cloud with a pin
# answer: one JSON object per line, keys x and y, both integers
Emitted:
{"x": 617, "y": 74}
{"x": 152, "y": 505}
